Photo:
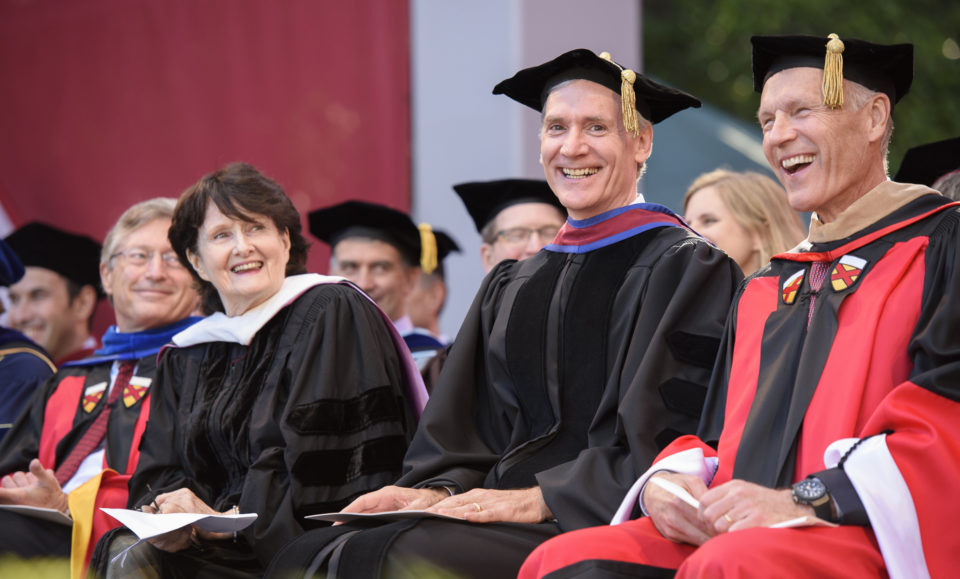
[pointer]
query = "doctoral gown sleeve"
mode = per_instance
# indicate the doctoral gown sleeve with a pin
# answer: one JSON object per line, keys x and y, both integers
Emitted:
{"x": 664, "y": 370}
{"x": 456, "y": 441}
{"x": 23, "y": 374}
{"x": 345, "y": 424}
{"x": 331, "y": 423}
{"x": 906, "y": 480}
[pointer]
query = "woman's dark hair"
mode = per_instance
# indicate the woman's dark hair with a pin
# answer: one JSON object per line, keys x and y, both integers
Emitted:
{"x": 241, "y": 192}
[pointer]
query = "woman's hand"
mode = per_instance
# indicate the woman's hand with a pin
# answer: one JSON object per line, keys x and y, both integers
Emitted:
{"x": 182, "y": 501}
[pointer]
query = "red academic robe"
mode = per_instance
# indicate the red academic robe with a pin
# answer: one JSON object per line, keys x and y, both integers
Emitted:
{"x": 878, "y": 363}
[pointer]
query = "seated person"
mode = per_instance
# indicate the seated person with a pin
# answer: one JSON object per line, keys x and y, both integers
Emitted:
{"x": 514, "y": 217}
{"x": 382, "y": 252}
{"x": 54, "y": 302}
{"x": 837, "y": 394}
{"x": 573, "y": 368}
{"x": 23, "y": 364}
{"x": 294, "y": 398}
{"x": 744, "y": 214}
{"x": 76, "y": 444}
{"x": 426, "y": 302}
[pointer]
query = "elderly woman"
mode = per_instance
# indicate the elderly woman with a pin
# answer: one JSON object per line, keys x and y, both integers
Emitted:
{"x": 294, "y": 398}
{"x": 744, "y": 214}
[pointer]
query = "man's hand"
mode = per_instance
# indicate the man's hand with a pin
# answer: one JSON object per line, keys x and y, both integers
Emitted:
{"x": 675, "y": 519}
{"x": 36, "y": 488}
{"x": 491, "y": 505}
{"x": 740, "y": 504}
{"x": 181, "y": 501}
{"x": 393, "y": 498}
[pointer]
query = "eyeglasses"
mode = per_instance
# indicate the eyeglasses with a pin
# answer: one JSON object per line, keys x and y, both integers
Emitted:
{"x": 521, "y": 235}
{"x": 141, "y": 257}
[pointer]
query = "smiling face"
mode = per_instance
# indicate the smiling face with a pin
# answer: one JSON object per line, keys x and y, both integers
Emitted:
{"x": 379, "y": 270}
{"x": 710, "y": 217}
{"x": 152, "y": 294}
{"x": 244, "y": 260}
{"x": 41, "y": 308}
{"x": 589, "y": 159}
{"x": 825, "y": 158}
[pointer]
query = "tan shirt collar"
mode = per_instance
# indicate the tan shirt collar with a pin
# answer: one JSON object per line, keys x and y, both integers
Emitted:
{"x": 879, "y": 202}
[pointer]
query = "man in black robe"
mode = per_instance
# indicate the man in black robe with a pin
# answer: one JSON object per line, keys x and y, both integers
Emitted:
{"x": 572, "y": 369}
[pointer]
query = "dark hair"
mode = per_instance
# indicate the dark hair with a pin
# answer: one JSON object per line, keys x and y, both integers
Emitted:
{"x": 239, "y": 191}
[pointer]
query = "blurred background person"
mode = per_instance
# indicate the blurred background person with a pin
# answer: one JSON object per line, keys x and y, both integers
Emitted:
{"x": 429, "y": 296}
{"x": 515, "y": 217}
{"x": 744, "y": 214}
{"x": 23, "y": 364}
{"x": 936, "y": 165}
{"x": 53, "y": 304}
{"x": 81, "y": 432}
{"x": 265, "y": 406}
{"x": 381, "y": 251}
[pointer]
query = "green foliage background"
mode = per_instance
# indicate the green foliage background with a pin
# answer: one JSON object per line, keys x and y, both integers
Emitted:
{"x": 703, "y": 47}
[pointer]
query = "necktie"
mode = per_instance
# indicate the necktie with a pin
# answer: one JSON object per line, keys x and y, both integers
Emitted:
{"x": 818, "y": 273}
{"x": 92, "y": 438}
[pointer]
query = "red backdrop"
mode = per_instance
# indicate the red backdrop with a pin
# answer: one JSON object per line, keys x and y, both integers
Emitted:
{"x": 110, "y": 102}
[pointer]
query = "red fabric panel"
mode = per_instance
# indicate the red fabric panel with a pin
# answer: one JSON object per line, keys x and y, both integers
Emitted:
{"x": 58, "y": 418}
{"x": 110, "y": 102}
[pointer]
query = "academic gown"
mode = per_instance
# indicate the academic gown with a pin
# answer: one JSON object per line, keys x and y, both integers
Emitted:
{"x": 308, "y": 416}
{"x": 24, "y": 366}
{"x": 872, "y": 366}
{"x": 571, "y": 371}
{"x": 67, "y": 405}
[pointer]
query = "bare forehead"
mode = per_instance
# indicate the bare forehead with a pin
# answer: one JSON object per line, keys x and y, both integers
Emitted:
{"x": 151, "y": 234}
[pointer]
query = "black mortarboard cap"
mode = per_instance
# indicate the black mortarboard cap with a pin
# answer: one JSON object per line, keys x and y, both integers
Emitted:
{"x": 925, "y": 164}
{"x": 370, "y": 220}
{"x": 445, "y": 244}
{"x": 11, "y": 269}
{"x": 75, "y": 257}
{"x": 653, "y": 101}
{"x": 882, "y": 68}
{"x": 485, "y": 199}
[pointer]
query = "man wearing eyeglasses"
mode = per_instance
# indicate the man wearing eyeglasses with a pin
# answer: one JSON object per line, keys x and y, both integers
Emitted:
{"x": 77, "y": 442}
{"x": 53, "y": 304}
{"x": 515, "y": 217}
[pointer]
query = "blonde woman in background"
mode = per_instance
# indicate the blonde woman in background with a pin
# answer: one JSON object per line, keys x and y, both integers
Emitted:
{"x": 744, "y": 214}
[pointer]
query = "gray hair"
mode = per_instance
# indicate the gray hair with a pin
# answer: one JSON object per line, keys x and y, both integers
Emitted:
{"x": 133, "y": 219}
{"x": 858, "y": 96}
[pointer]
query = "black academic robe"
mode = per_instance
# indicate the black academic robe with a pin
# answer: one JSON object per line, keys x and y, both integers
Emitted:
{"x": 311, "y": 414}
{"x": 571, "y": 371}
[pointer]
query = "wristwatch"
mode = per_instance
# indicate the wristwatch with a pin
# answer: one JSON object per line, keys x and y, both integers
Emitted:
{"x": 811, "y": 491}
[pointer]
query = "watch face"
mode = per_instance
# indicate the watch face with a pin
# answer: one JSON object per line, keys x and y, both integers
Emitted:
{"x": 809, "y": 490}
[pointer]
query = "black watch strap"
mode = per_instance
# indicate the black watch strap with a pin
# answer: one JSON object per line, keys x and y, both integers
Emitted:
{"x": 849, "y": 508}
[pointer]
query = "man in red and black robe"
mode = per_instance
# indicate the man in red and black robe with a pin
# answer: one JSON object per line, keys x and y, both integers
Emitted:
{"x": 48, "y": 459}
{"x": 833, "y": 408}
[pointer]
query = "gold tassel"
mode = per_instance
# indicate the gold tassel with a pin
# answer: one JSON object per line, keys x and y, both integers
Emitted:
{"x": 833, "y": 73}
{"x": 628, "y": 98}
{"x": 428, "y": 248}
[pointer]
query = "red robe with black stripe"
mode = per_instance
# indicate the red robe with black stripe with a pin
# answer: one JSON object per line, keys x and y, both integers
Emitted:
{"x": 58, "y": 417}
{"x": 796, "y": 386}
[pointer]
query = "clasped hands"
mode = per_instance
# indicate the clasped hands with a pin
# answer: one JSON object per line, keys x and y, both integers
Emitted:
{"x": 475, "y": 506}
{"x": 731, "y": 506}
